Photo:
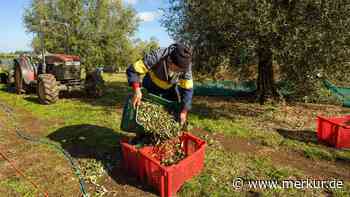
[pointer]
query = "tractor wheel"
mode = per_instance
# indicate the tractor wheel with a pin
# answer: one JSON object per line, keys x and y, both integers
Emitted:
{"x": 94, "y": 84}
{"x": 47, "y": 89}
{"x": 19, "y": 83}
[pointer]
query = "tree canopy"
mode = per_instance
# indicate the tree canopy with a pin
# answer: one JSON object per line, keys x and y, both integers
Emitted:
{"x": 100, "y": 31}
{"x": 302, "y": 37}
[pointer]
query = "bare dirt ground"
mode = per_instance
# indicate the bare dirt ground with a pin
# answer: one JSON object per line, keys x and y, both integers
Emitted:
{"x": 48, "y": 168}
{"x": 51, "y": 171}
{"x": 283, "y": 158}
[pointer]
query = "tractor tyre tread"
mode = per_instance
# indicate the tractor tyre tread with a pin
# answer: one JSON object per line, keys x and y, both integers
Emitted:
{"x": 47, "y": 89}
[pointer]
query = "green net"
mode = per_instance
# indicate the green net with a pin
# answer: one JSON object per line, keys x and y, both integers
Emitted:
{"x": 347, "y": 103}
{"x": 222, "y": 88}
{"x": 342, "y": 93}
{"x": 345, "y": 91}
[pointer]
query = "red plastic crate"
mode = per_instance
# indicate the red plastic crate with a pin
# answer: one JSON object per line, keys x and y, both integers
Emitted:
{"x": 166, "y": 179}
{"x": 334, "y": 131}
{"x": 131, "y": 158}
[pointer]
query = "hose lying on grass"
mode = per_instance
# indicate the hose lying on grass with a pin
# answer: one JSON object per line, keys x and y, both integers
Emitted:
{"x": 22, "y": 174}
{"x": 74, "y": 166}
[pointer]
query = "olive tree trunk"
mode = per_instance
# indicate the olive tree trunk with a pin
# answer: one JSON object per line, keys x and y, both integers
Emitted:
{"x": 265, "y": 84}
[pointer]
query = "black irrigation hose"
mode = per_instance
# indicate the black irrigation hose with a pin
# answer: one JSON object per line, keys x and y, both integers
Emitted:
{"x": 21, "y": 134}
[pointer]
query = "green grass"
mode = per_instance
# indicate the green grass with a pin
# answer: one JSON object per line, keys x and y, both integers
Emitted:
{"x": 17, "y": 186}
{"x": 93, "y": 124}
{"x": 246, "y": 127}
{"x": 223, "y": 167}
{"x": 87, "y": 124}
{"x": 73, "y": 111}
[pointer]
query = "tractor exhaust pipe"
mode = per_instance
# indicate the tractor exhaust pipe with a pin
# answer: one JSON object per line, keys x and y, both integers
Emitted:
{"x": 42, "y": 46}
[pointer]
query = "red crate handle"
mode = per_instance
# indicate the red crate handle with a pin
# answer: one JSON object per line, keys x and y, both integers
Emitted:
{"x": 333, "y": 122}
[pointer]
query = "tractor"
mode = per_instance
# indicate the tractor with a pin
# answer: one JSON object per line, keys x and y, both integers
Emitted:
{"x": 51, "y": 73}
{"x": 62, "y": 73}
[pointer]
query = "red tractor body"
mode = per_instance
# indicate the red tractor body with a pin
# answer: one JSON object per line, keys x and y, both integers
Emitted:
{"x": 62, "y": 73}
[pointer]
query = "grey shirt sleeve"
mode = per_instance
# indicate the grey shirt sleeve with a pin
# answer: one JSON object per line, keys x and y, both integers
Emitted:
{"x": 152, "y": 58}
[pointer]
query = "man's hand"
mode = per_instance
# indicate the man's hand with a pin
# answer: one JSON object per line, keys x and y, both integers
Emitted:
{"x": 136, "y": 100}
{"x": 183, "y": 117}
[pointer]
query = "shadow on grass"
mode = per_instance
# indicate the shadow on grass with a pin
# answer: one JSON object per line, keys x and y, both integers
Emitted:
{"x": 325, "y": 151}
{"x": 8, "y": 88}
{"x": 226, "y": 107}
{"x": 33, "y": 97}
{"x": 98, "y": 143}
{"x": 31, "y": 94}
{"x": 114, "y": 95}
{"x": 299, "y": 135}
{"x": 116, "y": 92}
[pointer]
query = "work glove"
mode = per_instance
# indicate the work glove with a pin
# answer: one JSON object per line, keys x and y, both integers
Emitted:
{"x": 136, "y": 100}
